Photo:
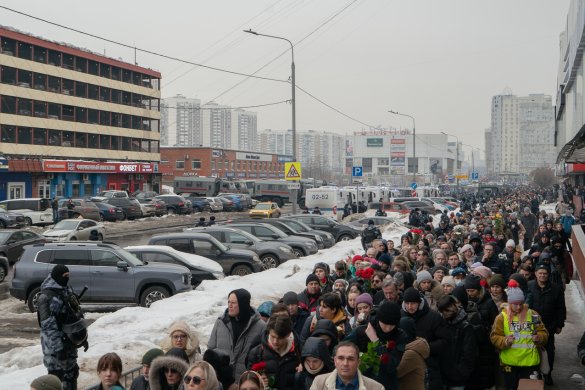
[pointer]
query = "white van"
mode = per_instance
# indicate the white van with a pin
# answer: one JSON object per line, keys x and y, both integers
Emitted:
{"x": 36, "y": 211}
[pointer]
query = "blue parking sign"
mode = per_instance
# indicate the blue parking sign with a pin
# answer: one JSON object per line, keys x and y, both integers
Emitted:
{"x": 357, "y": 171}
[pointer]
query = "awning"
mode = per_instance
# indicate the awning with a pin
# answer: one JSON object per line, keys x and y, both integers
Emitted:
{"x": 574, "y": 150}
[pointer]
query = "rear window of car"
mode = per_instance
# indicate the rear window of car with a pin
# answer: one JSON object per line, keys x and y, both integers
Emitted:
{"x": 44, "y": 256}
{"x": 71, "y": 257}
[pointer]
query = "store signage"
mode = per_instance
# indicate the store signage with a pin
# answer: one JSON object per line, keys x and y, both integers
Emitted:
{"x": 3, "y": 164}
{"x": 375, "y": 142}
{"x": 98, "y": 167}
{"x": 282, "y": 159}
{"x": 253, "y": 156}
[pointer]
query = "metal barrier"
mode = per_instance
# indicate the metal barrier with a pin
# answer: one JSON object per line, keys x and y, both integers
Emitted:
{"x": 126, "y": 379}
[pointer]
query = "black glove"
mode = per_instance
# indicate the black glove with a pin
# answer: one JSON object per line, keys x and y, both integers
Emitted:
{"x": 85, "y": 346}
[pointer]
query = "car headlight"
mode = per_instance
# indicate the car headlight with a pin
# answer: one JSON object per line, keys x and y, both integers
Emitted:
{"x": 285, "y": 249}
{"x": 329, "y": 236}
{"x": 318, "y": 239}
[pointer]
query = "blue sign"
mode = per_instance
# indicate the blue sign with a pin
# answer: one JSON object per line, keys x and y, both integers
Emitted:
{"x": 474, "y": 175}
{"x": 413, "y": 186}
{"x": 357, "y": 171}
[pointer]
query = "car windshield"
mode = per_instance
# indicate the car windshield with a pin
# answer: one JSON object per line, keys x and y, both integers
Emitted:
{"x": 129, "y": 257}
{"x": 296, "y": 225}
{"x": 4, "y": 236}
{"x": 263, "y": 206}
{"x": 66, "y": 224}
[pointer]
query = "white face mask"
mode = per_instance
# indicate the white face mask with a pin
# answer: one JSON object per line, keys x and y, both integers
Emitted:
{"x": 459, "y": 282}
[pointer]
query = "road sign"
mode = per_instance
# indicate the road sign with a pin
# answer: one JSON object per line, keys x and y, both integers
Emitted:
{"x": 474, "y": 175}
{"x": 292, "y": 170}
{"x": 413, "y": 193}
{"x": 357, "y": 171}
{"x": 464, "y": 177}
{"x": 413, "y": 186}
{"x": 294, "y": 186}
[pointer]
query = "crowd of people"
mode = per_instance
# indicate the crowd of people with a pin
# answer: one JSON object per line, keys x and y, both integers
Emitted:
{"x": 472, "y": 303}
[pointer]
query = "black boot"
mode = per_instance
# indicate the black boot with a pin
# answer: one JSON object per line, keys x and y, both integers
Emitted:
{"x": 548, "y": 379}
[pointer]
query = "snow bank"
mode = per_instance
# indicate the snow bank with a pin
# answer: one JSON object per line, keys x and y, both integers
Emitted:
{"x": 133, "y": 330}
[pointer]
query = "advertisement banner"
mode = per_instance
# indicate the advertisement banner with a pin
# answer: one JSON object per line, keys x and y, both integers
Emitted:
{"x": 98, "y": 167}
{"x": 375, "y": 142}
{"x": 396, "y": 161}
{"x": 397, "y": 154}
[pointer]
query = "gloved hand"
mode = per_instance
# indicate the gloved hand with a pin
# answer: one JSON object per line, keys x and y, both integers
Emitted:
{"x": 85, "y": 346}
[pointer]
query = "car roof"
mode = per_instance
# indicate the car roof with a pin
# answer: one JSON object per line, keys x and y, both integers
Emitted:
{"x": 182, "y": 234}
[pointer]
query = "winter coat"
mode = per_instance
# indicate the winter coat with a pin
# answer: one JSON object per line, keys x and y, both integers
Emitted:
{"x": 496, "y": 265}
{"x": 481, "y": 315}
{"x": 221, "y": 338}
{"x": 460, "y": 356}
{"x": 412, "y": 368}
{"x": 140, "y": 383}
{"x": 327, "y": 382}
{"x": 308, "y": 302}
{"x": 530, "y": 223}
{"x": 314, "y": 347}
{"x": 549, "y": 302}
{"x": 340, "y": 321}
{"x": 369, "y": 234}
{"x": 433, "y": 296}
{"x": 157, "y": 378}
{"x": 280, "y": 367}
{"x": 299, "y": 319}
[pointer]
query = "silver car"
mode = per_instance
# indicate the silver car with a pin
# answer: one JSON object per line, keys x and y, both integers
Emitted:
{"x": 215, "y": 203}
{"x": 75, "y": 230}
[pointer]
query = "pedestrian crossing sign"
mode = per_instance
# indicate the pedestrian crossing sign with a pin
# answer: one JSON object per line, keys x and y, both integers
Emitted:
{"x": 292, "y": 170}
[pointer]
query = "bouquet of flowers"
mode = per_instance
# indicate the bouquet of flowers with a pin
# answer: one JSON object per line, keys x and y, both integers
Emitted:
{"x": 377, "y": 354}
{"x": 416, "y": 235}
{"x": 498, "y": 224}
{"x": 260, "y": 368}
{"x": 366, "y": 274}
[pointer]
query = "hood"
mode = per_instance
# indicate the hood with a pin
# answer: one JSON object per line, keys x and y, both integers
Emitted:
{"x": 420, "y": 346}
{"x": 326, "y": 327}
{"x": 316, "y": 347}
{"x": 156, "y": 378}
{"x": 423, "y": 308}
{"x": 51, "y": 284}
{"x": 474, "y": 237}
{"x": 56, "y": 233}
{"x": 241, "y": 252}
{"x": 300, "y": 240}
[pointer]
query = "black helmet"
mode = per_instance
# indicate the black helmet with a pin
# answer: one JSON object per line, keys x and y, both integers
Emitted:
{"x": 76, "y": 332}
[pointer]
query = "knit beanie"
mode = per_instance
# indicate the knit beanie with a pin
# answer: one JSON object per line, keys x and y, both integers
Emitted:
{"x": 181, "y": 326}
{"x": 483, "y": 271}
{"x": 178, "y": 353}
{"x": 448, "y": 280}
{"x": 151, "y": 354}
{"x": 47, "y": 382}
{"x": 472, "y": 282}
{"x": 423, "y": 275}
{"x": 497, "y": 280}
{"x": 356, "y": 258}
{"x": 458, "y": 271}
{"x": 364, "y": 298}
{"x": 290, "y": 298}
{"x": 411, "y": 295}
{"x": 466, "y": 247}
{"x": 57, "y": 274}
{"x": 388, "y": 313}
{"x": 265, "y": 308}
{"x": 461, "y": 295}
{"x": 311, "y": 278}
{"x": 510, "y": 243}
{"x": 514, "y": 292}
{"x": 440, "y": 267}
{"x": 521, "y": 281}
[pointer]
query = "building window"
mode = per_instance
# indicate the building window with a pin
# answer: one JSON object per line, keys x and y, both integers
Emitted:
{"x": 93, "y": 116}
{"x": 54, "y": 84}
{"x": 105, "y": 119}
{"x": 80, "y": 140}
{"x": 196, "y": 164}
{"x": 24, "y": 107}
{"x": 68, "y": 87}
{"x": 93, "y": 141}
{"x": 80, "y": 114}
{"x": 54, "y": 138}
{"x": 93, "y": 67}
{"x": 8, "y": 105}
{"x": 8, "y": 134}
{"x": 81, "y": 64}
{"x": 126, "y": 143}
{"x": 68, "y": 61}
{"x": 67, "y": 138}
{"x": 115, "y": 142}
{"x": 54, "y": 58}
{"x": 40, "y": 137}
{"x": 24, "y": 78}
{"x": 180, "y": 164}
{"x": 40, "y": 81}
{"x": 8, "y": 46}
{"x": 8, "y": 75}
{"x": 105, "y": 141}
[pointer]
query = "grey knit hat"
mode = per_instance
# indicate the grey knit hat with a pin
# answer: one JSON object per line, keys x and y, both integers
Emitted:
{"x": 423, "y": 275}
{"x": 47, "y": 382}
{"x": 514, "y": 292}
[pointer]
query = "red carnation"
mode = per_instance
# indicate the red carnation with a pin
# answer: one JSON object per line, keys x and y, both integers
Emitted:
{"x": 359, "y": 273}
{"x": 323, "y": 280}
{"x": 391, "y": 345}
{"x": 259, "y": 367}
{"x": 385, "y": 358}
{"x": 368, "y": 273}
{"x": 483, "y": 283}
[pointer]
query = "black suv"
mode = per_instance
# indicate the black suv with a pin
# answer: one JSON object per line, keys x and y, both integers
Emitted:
{"x": 131, "y": 207}
{"x": 233, "y": 261}
{"x": 112, "y": 274}
{"x": 314, "y": 235}
{"x": 320, "y": 222}
{"x": 176, "y": 204}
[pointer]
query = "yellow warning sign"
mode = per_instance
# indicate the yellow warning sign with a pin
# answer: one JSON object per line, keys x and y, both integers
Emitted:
{"x": 292, "y": 170}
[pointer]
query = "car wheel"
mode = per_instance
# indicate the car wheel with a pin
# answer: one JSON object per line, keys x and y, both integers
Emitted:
{"x": 2, "y": 224}
{"x": 298, "y": 252}
{"x": 100, "y": 237}
{"x": 27, "y": 221}
{"x": 73, "y": 238}
{"x": 153, "y": 294}
{"x": 242, "y": 270}
{"x": 270, "y": 261}
{"x": 3, "y": 273}
{"x": 171, "y": 211}
{"x": 33, "y": 298}
{"x": 344, "y": 237}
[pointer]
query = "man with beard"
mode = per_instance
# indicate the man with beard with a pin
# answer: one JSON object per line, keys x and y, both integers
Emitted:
{"x": 309, "y": 298}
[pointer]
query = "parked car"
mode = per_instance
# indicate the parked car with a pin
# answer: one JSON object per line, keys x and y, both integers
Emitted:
{"x": 390, "y": 207}
{"x": 201, "y": 267}
{"x": 113, "y": 194}
{"x": 298, "y": 226}
{"x": 112, "y": 274}
{"x": 199, "y": 203}
{"x": 265, "y": 210}
{"x": 271, "y": 254}
{"x": 444, "y": 203}
{"x": 74, "y": 229}
{"x": 131, "y": 207}
{"x": 176, "y": 204}
{"x": 411, "y": 205}
{"x": 228, "y": 205}
{"x": 301, "y": 246}
{"x": 239, "y": 204}
{"x": 160, "y": 205}
{"x": 81, "y": 207}
{"x": 144, "y": 194}
{"x": 233, "y": 261}
{"x": 244, "y": 199}
{"x": 36, "y": 211}
{"x": 147, "y": 207}
{"x": 320, "y": 222}
{"x": 215, "y": 204}
{"x": 10, "y": 219}
{"x": 288, "y": 230}
{"x": 4, "y": 266}
{"x": 12, "y": 242}
{"x": 109, "y": 212}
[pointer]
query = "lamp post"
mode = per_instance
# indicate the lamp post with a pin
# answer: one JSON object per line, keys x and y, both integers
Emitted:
{"x": 456, "y": 155}
{"x": 293, "y": 101}
{"x": 413, "y": 140}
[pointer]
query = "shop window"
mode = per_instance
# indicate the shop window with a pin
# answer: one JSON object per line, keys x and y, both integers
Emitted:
{"x": 80, "y": 140}
{"x": 105, "y": 94}
{"x": 105, "y": 118}
{"x": 195, "y": 164}
{"x": 40, "y": 81}
{"x": 8, "y": 134}
{"x": 116, "y": 73}
{"x": 93, "y": 141}
{"x": 105, "y": 70}
{"x": 126, "y": 143}
{"x": 68, "y": 138}
{"x": 40, "y": 109}
{"x": 68, "y": 87}
{"x": 145, "y": 146}
{"x": 54, "y": 138}
{"x": 39, "y": 136}
{"x": 80, "y": 114}
{"x": 126, "y": 121}
{"x": 81, "y": 64}
{"x": 54, "y": 84}
{"x": 93, "y": 67}
{"x": 115, "y": 142}
{"x": 24, "y": 78}
{"x": 54, "y": 111}
{"x": 116, "y": 95}
{"x": 180, "y": 164}
{"x": 80, "y": 89}
{"x": 8, "y": 105}
{"x": 126, "y": 75}
{"x": 93, "y": 91}
{"x": 104, "y": 141}
{"x": 68, "y": 61}
{"x": 8, "y": 75}
{"x": 54, "y": 58}
{"x": 116, "y": 119}
{"x": 24, "y": 135}
{"x": 44, "y": 187}
{"x": 93, "y": 116}
{"x": 68, "y": 113}
{"x": 24, "y": 106}
{"x": 8, "y": 46}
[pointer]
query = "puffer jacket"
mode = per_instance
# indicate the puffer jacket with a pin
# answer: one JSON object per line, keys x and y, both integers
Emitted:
{"x": 221, "y": 338}
{"x": 156, "y": 377}
{"x": 314, "y": 347}
{"x": 412, "y": 368}
{"x": 280, "y": 367}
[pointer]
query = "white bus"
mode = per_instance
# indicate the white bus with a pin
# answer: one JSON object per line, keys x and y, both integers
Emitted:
{"x": 328, "y": 200}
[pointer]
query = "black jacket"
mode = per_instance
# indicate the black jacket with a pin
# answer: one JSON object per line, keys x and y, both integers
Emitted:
{"x": 549, "y": 302}
{"x": 314, "y": 347}
{"x": 460, "y": 356}
{"x": 308, "y": 302}
{"x": 279, "y": 369}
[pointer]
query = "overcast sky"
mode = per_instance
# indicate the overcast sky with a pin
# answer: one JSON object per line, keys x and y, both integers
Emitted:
{"x": 440, "y": 61}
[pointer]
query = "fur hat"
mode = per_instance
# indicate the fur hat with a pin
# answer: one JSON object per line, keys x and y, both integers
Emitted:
{"x": 483, "y": 271}
{"x": 466, "y": 247}
{"x": 448, "y": 280}
{"x": 510, "y": 243}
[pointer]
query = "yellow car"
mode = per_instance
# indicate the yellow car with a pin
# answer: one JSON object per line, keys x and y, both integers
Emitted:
{"x": 265, "y": 210}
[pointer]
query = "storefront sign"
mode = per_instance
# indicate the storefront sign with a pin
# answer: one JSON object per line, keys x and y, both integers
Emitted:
{"x": 375, "y": 142}
{"x": 282, "y": 159}
{"x": 253, "y": 156}
{"x": 3, "y": 164}
{"x": 98, "y": 167}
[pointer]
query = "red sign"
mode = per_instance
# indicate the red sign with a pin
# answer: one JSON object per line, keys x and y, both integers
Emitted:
{"x": 397, "y": 154}
{"x": 398, "y": 141}
{"x": 98, "y": 167}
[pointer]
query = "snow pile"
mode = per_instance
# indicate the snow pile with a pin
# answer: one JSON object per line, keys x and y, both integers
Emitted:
{"x": 133, "y": 330}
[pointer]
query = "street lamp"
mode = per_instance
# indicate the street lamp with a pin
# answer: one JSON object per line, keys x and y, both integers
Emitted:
{"x": 294, "y": 101}
{"x": 413, "y": 140}
{"x": 456, "y": 155}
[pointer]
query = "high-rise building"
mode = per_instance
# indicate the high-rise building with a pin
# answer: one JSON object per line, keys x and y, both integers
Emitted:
{"x": 489, "y": 151}
{"x": 181, "y": 121}
{"x": 216, "y": 125}
{"x": 244, "y": 131}
{"x": 279, "y": 142}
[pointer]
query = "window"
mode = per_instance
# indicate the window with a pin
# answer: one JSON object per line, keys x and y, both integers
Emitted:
{"x": 68, "y": 87}
{"x": 68, "y": 113}
{"x": 8, "y": 134}
{"x": 105, "y": 70}
{"x": 105, "y": 118}
{"x": 136, "y": 122}
{"x": 68, "y": 61}
{"x": 115, "y": 95}
{"x": 8, "y": 46}
{"x": 24, "y": 106}
{"x": 196, "y": 164}
{"x": 105, "y": 94}
{"x": 116, "y": 73}
{"x": 80, "y": 114}
{"x": 116, "y": 119}
{"x": 93, "y": 67}
{"x": 54, "y": 111}
{"x": 24, "y": 50}
{"x": 115, "y": 142}
{"x": 126, "y": 98}
{"x": 263, "y": 232}
{"x": 180, "y": 164}
{"x": 80, "y": 140}
{"x": 24, "y": 135}
{"x": 67, "y": 138}
{"x": 44, "y": 257}
{"x": 126, "y": 121}
{"x": 8, "y": 105}
{"x": 54, "y": 138}
{"x": 135, "y": 145}
{"x": 93, "y": 116}
{"x": 144, "y": 146}
{"x": 40, "y": 81}
{"x": 93, "y": 140}
{"x": 180, "y": 244}
{"x": 126, "y": 76}
{"x": 154, "y": 146}
{"x": 81, "y": 64}
{"x": 54, "y": 84}
{"x": 103, "y": 258}
{"x": 39, "y": 136}
{"x": 8, "y": 75}
{"x": 54, "y": 58}
{"x": 205, "y": 248}
{"x": 159, "y": 258}
{"x": 236, "y": 238}
{"x": 126, "y": 145}
{"x": 24, "y": 78}
{"x": 104, "y": 141}
{"x": 93, "y": 91}
{"x": 71, "y": 257}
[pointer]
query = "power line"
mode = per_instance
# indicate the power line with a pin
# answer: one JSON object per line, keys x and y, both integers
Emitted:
{"x": 225, "y": 108}
{"x": 139, "y": 49}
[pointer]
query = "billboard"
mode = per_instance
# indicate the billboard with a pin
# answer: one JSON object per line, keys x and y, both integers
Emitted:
{"x": 375, "y": 142}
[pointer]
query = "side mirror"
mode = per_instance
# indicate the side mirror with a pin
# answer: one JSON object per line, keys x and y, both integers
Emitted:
{"x": 217, "y": 252}
{"x": 275, "y": 236}
{"x": 80, "y": 228}
{"x": 248, "y": 242}
{"x": 122, "y": 265}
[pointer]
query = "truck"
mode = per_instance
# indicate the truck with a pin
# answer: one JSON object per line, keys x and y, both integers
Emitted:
{"x": 202, "y": 185}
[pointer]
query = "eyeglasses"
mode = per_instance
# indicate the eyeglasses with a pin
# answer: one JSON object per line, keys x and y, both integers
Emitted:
{"x": 179, "y": 336}
{"x": 171, "y": 370}
{"x": 376, "y": 281}
{"x": 195, "y": 379}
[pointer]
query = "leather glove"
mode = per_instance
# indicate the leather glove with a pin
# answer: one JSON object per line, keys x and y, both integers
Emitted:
{"x": 85, "y": 346}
